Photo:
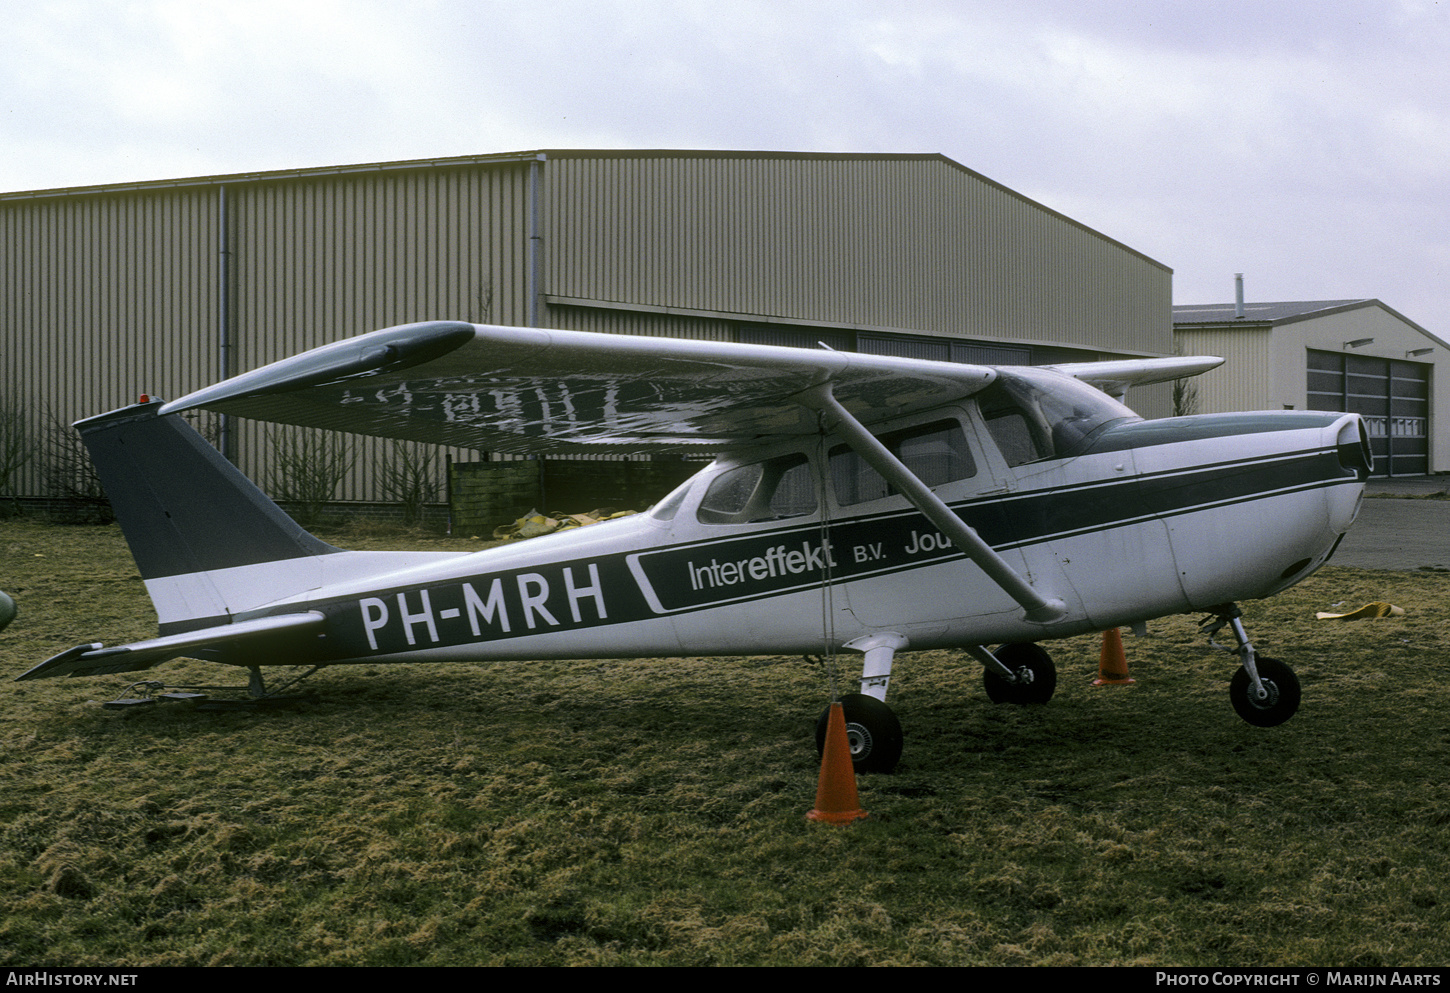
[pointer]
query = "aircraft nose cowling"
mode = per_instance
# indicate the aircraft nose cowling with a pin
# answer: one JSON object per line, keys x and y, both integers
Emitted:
{"x": 1351, "y": 438}
{"x": 1342, "y": 498}
{"x": 1254, "y": 502}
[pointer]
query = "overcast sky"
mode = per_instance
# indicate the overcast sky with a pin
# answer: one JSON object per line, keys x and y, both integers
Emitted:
{"x": 1305, "y": 144}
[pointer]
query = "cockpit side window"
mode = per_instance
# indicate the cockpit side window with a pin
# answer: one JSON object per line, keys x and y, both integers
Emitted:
{"x": 1020, "y": 438}
{"x": 762, "y": 491}
{"x": 1035, "y": 414}
{"x": 936, "y": 453}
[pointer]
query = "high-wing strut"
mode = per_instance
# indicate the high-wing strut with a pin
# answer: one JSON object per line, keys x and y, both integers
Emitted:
{"x": 1039, "y": 609}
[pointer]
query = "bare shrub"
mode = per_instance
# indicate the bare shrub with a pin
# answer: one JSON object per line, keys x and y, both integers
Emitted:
{"x": 70, "y": 473}
{"x": 408, "y": 475}
{"x": 307, "y": 467}
{"x": 17, "y": 447}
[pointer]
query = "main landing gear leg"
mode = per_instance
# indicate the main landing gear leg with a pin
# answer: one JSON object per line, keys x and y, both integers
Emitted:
{"x": 872, "y": 729}
{"x": 879, "y": 651}
{"x": 1264, "y": 691}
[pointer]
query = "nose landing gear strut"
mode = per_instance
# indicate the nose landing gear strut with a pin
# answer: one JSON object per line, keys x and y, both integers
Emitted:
{"x": 1264, "y": 691}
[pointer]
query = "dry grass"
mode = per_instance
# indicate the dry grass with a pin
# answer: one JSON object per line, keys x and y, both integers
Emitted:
{"x": 622, "y": 812}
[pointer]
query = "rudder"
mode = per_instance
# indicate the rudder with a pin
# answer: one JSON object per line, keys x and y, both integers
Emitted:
{"x": 197, "y": 527}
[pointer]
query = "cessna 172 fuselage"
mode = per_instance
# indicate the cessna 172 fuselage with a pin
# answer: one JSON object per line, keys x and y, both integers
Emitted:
{"x": 859, "y": 503}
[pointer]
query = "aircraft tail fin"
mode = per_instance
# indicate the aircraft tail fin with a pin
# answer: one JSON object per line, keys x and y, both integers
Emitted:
{"x": 207, "y": 541}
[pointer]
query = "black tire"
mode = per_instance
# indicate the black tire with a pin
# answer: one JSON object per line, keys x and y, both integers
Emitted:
{"x": 1018, "y": 657}
{"x": 1283, "y": 687}
{"x": 872, "y": 729}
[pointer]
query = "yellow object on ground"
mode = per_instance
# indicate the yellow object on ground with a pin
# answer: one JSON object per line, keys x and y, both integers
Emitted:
{"x": 535, "y": 524}
{"x": 1376, "y": 609}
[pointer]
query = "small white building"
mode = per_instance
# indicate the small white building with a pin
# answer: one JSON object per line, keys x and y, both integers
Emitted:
{"x": 1352, "y": 355}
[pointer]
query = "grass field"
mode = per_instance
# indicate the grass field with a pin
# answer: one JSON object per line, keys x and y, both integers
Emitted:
{"x": 632, "y": 812}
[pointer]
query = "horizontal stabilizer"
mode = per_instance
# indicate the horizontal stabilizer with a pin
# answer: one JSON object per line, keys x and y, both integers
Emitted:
{"x": 97, "y": 660}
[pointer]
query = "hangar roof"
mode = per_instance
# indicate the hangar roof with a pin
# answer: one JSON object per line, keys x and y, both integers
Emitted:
{"x": 1278, "y": 314}
{"x": 546, "y": 154}
{"x": 1265, "y": 313}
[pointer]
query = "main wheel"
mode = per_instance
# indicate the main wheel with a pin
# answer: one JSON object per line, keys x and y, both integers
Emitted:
{"x": 872, "y": 731}
{"x": 1036, "y": 675}
{"x": 1283, "y": 689}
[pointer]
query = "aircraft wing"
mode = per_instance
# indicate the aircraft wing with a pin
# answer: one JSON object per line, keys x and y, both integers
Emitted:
{"x": 538, "y": 391}
{"x": 1115, "y": 376}
{"x": 529, "y": 390}
{"x": 97, "y": 660}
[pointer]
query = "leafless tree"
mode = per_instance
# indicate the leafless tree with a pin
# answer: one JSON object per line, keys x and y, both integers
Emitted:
{"x": 1185, "y": 397}
{"x": 17, "y": 447}
{"x": 307, "y": 466}
{"x": 1185, "y": 393}
{"x": 408, "y": 474}
{"x": 70, "y": 472}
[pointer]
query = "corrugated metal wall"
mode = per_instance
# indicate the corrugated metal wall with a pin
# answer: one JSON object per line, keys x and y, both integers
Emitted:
{"x": 103, "y": 297}
{"x": 1243, "y": 381}
{"x": 115, "y": 293}
{"x": 909, "y": 242}
{"x": 321, "y": 258}
{"x": 614, "y": 321}
{"x": 111, "y": 292}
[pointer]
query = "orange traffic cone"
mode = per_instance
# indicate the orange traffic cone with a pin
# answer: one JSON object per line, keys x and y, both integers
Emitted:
{"x": 836, "y": 800}
{"x": 1112, "y": 663}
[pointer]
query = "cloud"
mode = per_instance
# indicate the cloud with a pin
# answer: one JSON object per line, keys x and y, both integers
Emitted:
{"x": 1304, "y": 143}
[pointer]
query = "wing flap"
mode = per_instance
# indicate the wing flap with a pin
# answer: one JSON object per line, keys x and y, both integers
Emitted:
{"x": 95, "y": 659}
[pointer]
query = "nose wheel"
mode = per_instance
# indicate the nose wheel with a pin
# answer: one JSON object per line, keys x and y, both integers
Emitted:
{"x": 1264, "y": 691}
{"x": 1278, "y": 700}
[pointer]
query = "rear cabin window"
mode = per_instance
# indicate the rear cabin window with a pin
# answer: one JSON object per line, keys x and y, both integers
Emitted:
{"x": 665, "y": 510}
{"x": 935, "y": 453}
{"x": 762, "y": 491}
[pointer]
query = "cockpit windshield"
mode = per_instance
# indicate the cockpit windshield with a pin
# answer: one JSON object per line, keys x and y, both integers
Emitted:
{"x": 1036, "y": 414}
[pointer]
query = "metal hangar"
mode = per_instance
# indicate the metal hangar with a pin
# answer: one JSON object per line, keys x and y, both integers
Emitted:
{"x": 162, "y": 287}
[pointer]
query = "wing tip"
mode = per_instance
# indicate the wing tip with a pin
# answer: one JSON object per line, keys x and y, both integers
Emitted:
{"x": 385, "y": 350}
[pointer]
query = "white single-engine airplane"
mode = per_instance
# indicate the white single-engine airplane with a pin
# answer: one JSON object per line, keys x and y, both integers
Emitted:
{"x": 857, "y": 502}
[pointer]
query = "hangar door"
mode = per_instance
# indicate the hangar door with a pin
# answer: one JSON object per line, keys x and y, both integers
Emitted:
{"x": 1393, "y": 397}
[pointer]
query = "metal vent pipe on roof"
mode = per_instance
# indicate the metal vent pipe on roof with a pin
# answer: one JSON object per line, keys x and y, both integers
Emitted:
{"x": 1238, "y": 296}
